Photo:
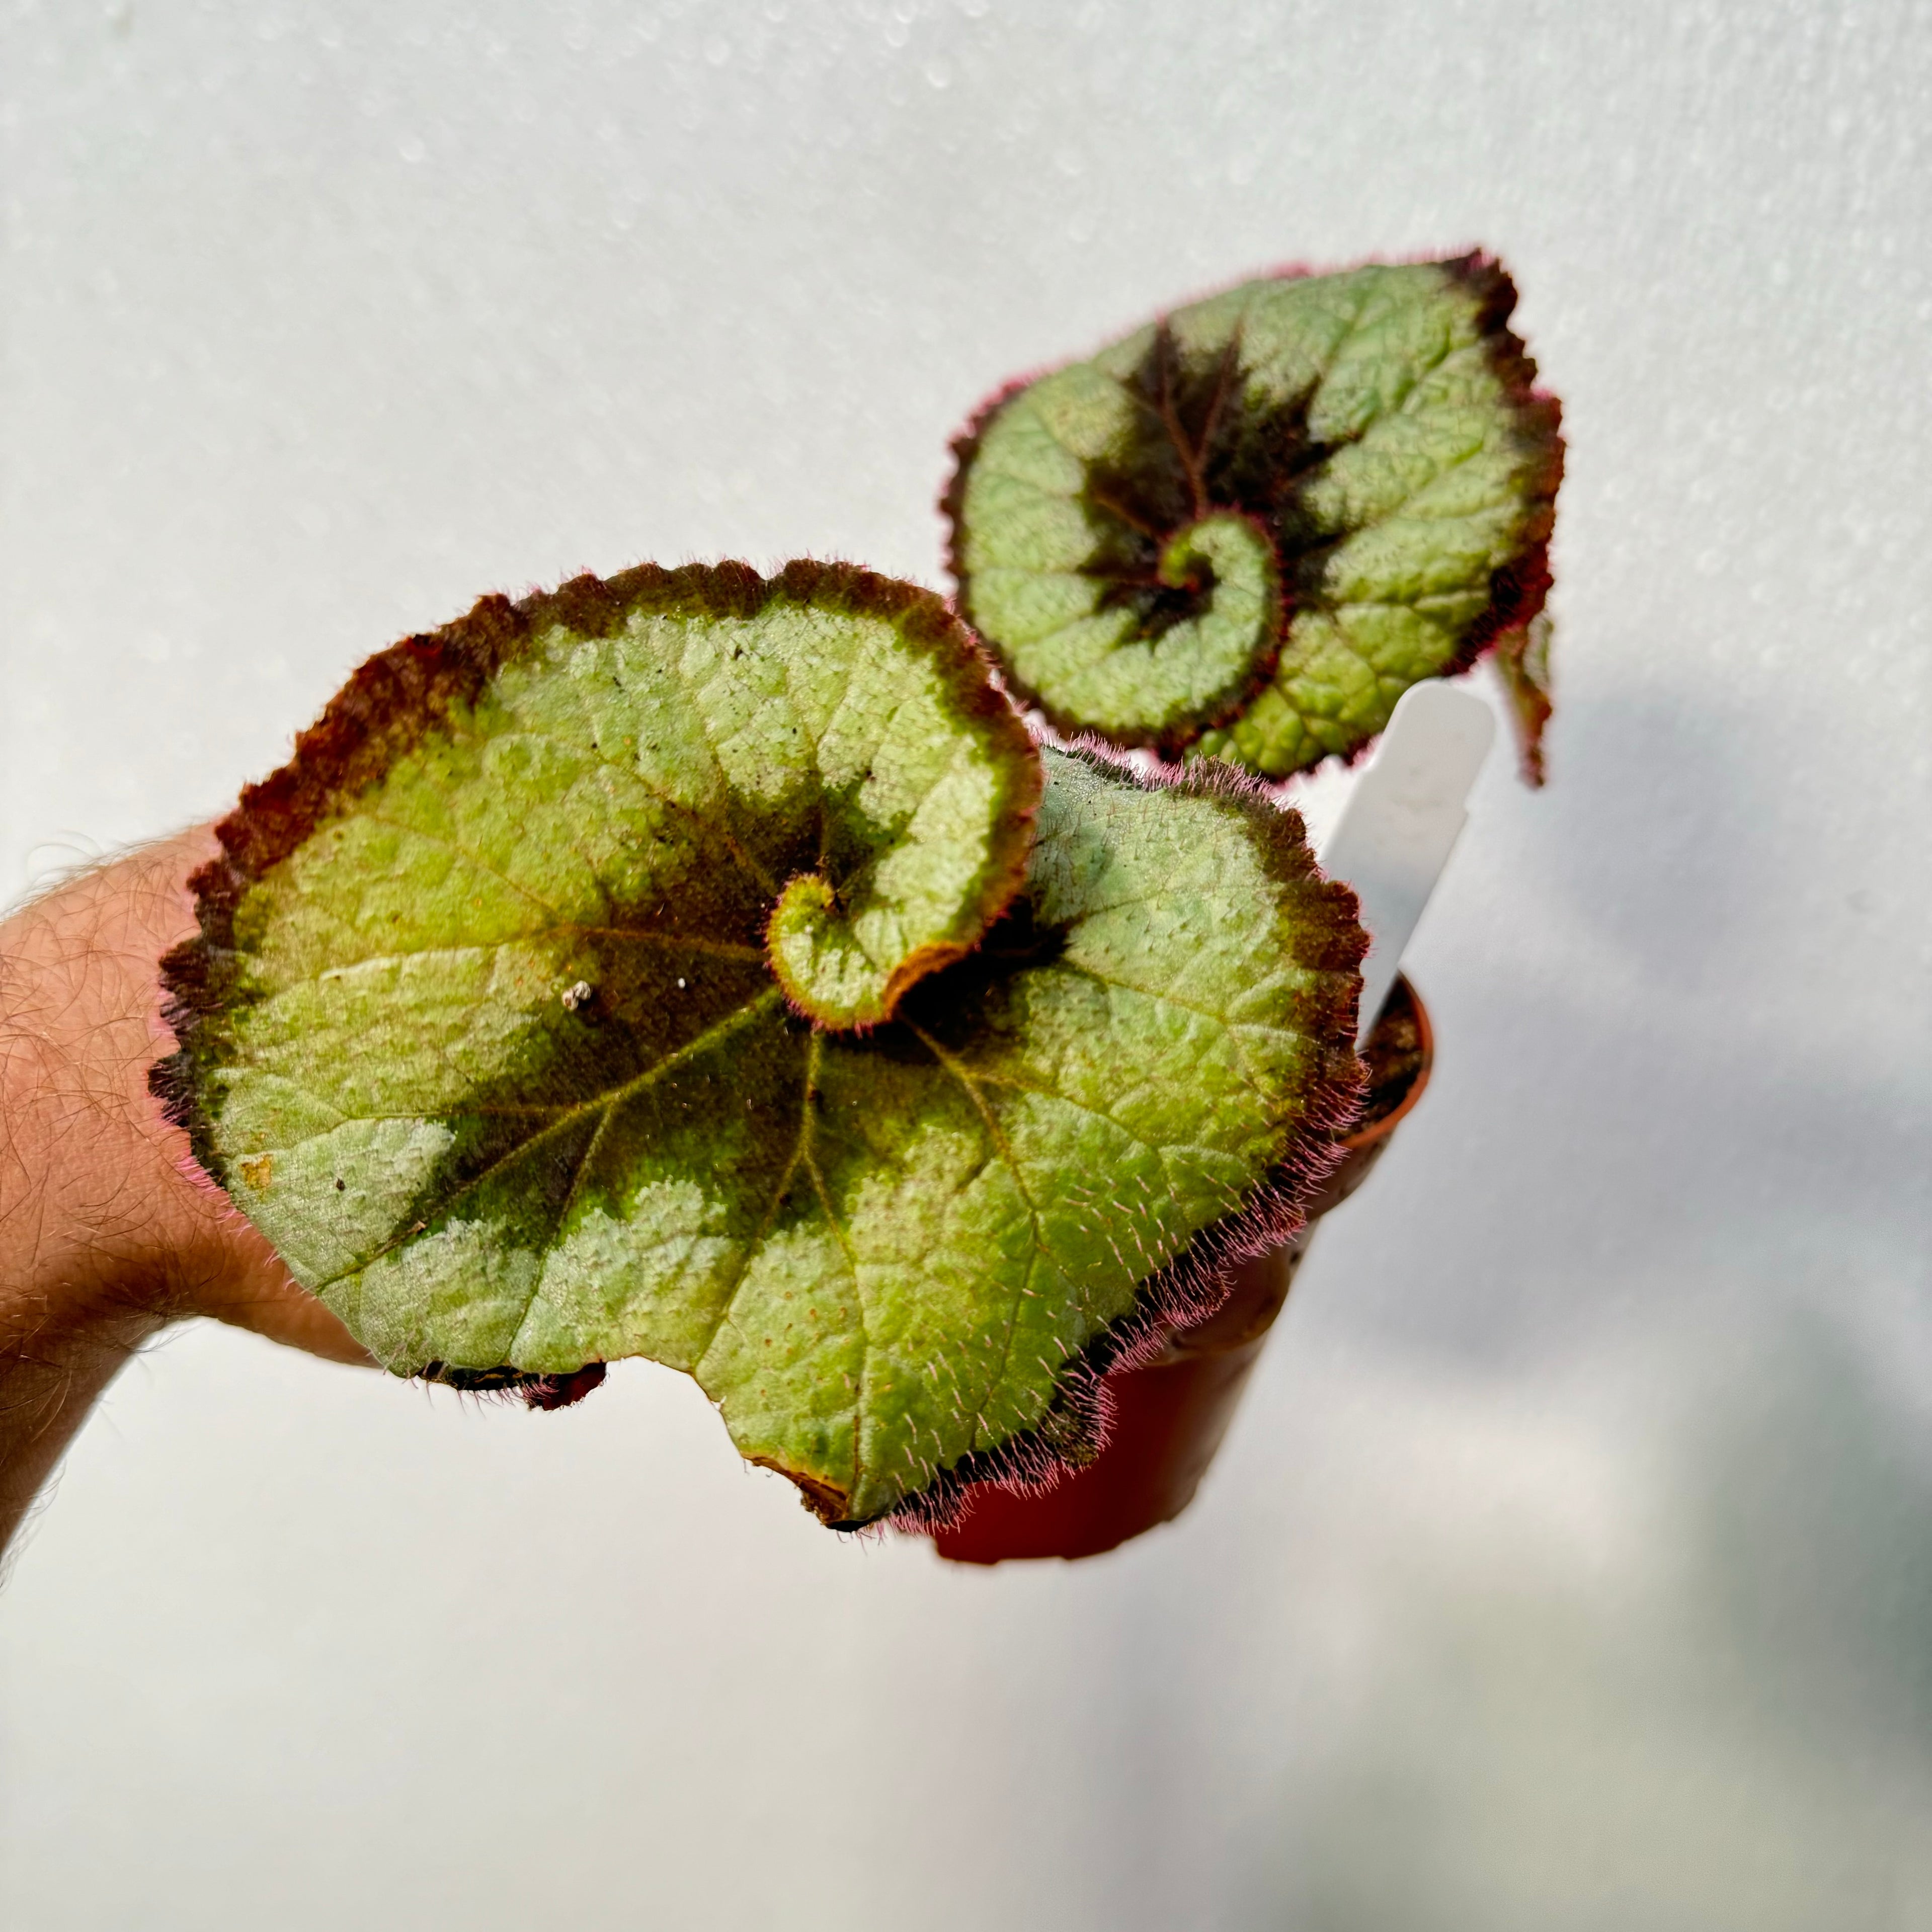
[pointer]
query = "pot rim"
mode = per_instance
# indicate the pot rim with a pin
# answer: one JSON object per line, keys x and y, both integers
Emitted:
{"x": 1378, "y": 1130}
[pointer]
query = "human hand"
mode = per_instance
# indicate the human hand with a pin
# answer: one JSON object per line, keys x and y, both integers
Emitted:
{"x": 109, "y": 1231}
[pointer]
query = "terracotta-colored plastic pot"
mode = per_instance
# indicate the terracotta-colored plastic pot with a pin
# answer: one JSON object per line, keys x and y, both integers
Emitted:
{"x": 1169, "y": 1416}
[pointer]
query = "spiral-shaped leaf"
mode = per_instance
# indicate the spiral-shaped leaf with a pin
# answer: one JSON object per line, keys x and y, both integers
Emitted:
{"x": 601, "y": 979}
{"x": 1246, "y": 529}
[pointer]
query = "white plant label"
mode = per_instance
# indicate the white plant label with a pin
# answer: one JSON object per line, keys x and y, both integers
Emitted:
{"x": 1396, "y": 833}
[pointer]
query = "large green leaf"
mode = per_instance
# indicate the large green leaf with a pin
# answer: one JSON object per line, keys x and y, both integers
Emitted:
{"x": 493, "y": 1029}
{"x": 1246, "y": 529}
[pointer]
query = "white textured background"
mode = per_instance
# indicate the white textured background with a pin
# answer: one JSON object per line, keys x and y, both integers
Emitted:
{"x": 1570, "y": 1566}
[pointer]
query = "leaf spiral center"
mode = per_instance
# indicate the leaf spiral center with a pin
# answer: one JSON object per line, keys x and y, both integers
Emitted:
{"x": 820, "y": 961}
{"x": 1228, "y": 565}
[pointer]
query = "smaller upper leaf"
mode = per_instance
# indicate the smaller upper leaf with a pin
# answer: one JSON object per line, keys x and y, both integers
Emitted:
{"x": 1246, "y": 529}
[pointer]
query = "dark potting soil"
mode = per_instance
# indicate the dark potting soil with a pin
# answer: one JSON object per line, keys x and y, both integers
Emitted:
{"x": 1393, "y": 1056}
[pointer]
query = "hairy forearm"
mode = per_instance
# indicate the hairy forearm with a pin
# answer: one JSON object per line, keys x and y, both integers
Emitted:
{"x": 108, "y": 1231}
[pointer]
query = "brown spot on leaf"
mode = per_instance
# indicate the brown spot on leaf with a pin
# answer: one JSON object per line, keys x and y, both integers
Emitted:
{"x": 828, "y": 1502}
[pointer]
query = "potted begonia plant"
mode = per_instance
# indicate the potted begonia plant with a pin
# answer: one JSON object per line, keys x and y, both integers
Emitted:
{"x": 716, "y": 967}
